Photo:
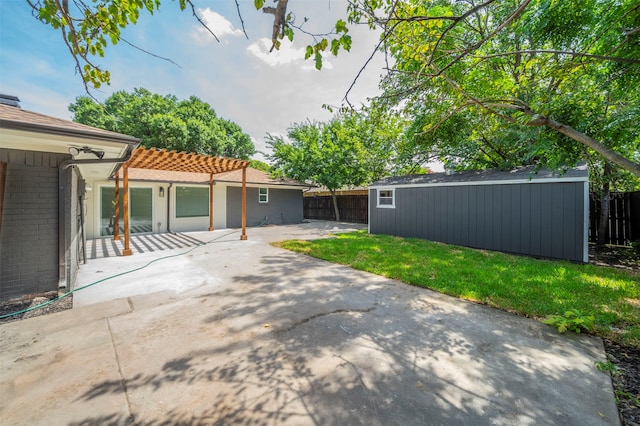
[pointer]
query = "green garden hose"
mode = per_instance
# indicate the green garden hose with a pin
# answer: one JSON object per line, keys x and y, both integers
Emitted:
{"x": 32, "y": 308}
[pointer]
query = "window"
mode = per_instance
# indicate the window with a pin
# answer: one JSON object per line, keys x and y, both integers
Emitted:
{"x": 192, "y": 202}
{"x": 263, "y": 195}
{"x": 386, "y": 198}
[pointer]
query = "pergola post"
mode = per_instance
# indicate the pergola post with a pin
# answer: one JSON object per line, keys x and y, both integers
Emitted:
{"x": 125, "y": 189}
{"x": 243, "y": 236}
{"x": 210, "y": 201}
{"x": 116, "y": 219}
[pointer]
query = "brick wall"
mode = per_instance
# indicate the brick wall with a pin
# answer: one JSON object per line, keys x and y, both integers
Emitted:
{"x": 29, "y": 235}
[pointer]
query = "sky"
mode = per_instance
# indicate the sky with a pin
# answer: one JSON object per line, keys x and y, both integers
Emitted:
{"x": 262, "y": 92}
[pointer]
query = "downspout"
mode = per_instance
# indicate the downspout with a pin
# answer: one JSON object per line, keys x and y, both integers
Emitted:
{"x": 3, "y": 177}
{"x": 169, "y": 207}
{"x": 62, "y": 261}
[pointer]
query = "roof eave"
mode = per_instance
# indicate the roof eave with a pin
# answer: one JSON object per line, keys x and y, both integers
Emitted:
{"x": 59, "y": 131}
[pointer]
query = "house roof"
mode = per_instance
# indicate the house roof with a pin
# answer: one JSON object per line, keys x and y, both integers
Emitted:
{"x": 486, "y": 177}
{"x": 16, "y": 118}
{"x": 31, "y": 131}
{"x": 254, "y": 176}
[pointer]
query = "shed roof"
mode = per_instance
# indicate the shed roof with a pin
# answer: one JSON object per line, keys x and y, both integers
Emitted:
{"x": 527, "y": 174}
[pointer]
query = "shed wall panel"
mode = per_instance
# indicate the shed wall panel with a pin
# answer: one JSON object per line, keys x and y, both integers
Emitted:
{"x": 538, "y": 219}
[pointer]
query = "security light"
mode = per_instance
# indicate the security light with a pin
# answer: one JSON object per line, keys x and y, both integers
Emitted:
{"x": 74, "y": 150}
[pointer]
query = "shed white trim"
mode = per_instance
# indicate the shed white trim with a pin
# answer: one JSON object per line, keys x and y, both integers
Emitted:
{"x": 487, "y": 182}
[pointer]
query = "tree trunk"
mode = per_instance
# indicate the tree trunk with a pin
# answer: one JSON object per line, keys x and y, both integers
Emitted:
{"x": 335, "y": 204}
{"x": 605, "y": 197}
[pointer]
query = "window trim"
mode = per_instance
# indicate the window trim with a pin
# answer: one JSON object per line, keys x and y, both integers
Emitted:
{"x": 393, "y": 198}
{"x": 266, "y": 195}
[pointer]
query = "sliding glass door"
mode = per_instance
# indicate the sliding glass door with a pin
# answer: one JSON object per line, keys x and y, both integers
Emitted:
{"x": 140, "y": 210}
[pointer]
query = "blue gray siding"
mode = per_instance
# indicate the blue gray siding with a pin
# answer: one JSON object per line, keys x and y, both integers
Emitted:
{"x": 536, "y": 219}
{"x": 284, "y": 206}
{"x": 29, "y": 235}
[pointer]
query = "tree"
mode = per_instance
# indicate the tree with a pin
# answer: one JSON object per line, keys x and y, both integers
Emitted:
{"x": 353, "y": 149}
{"x": 318, "y": 154}
{"x": 189, "y": 125}
{"x": 260, "y": 165}
{"x": 570, "y": 69}
{"x": 501, "y": 84}
{"x": 536, "y": 63}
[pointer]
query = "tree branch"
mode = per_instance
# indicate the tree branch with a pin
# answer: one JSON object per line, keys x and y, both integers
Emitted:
{"x": 279, "y": 21}
{"x": 599, "y": 147}
{"x": 476, "y": 45}
{"x": 193, "y": 10}
{"x": 558, "y": 52}
{"x": 150, "y": 53}
{"x": 241, "y": 20}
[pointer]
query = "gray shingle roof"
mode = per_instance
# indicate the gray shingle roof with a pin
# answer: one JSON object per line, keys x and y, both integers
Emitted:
{"x": 12, "y": 117}
{"x": 520, "y": 174}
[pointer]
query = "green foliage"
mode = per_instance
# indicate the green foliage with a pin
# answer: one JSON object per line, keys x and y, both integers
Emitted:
{"x": 260, "y": 165}
{"x": 492, "y": 84}
{"x": 622, "y": 395}
{"x": 88, "y": 28}
{"x": 354, "y": 148}
{"x": 607, "y": 367}
{"x": 530, "y": 287}
{"x": 548, "y": 83}
{"x": 189, "y": 125}
{"x": 572, "y": 320}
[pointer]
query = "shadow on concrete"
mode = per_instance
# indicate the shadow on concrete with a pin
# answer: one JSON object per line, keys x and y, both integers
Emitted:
{"x": 99, "y": 248}
{"x": 336, "y": 346}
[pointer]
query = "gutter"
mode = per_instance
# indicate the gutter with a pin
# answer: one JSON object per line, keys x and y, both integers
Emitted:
{"x": 62, "y": 262}
{"x": 88, "y": 133}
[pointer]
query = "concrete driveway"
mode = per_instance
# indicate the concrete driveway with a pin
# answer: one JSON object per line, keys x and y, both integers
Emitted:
{"x": 241, "y": 332}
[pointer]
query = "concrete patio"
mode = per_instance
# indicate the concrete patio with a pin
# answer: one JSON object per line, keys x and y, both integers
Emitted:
{"x": 241, "y": 332}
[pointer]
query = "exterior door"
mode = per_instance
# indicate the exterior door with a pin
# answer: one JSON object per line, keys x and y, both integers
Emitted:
{"x": 140, "y": 210}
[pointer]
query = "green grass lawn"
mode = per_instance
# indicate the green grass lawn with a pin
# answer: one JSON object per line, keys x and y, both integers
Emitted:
{"x": 526, "y": 286}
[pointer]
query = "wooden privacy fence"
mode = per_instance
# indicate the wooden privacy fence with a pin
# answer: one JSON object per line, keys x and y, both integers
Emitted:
{"x": 353, "y": 208}
{"x": 624, "y": 218}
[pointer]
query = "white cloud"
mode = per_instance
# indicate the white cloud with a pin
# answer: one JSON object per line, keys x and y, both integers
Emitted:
{"x": 218, "y": 24}
{"x": 287, "y": 54}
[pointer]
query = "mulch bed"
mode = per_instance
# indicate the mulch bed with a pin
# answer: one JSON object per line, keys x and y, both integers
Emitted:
{"x": 626, "y": 378}
{"x": 32, "y": 301}
{"x": 626, "y": 381}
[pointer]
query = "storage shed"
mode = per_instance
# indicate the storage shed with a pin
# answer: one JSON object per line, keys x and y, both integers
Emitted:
{"x": 540, "y": 214}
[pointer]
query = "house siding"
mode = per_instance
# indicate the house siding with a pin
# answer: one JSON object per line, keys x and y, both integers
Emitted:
{"x": 29, "y": 235}
{"x": 284, "y": 206}
{"x": 537, "y": 219}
